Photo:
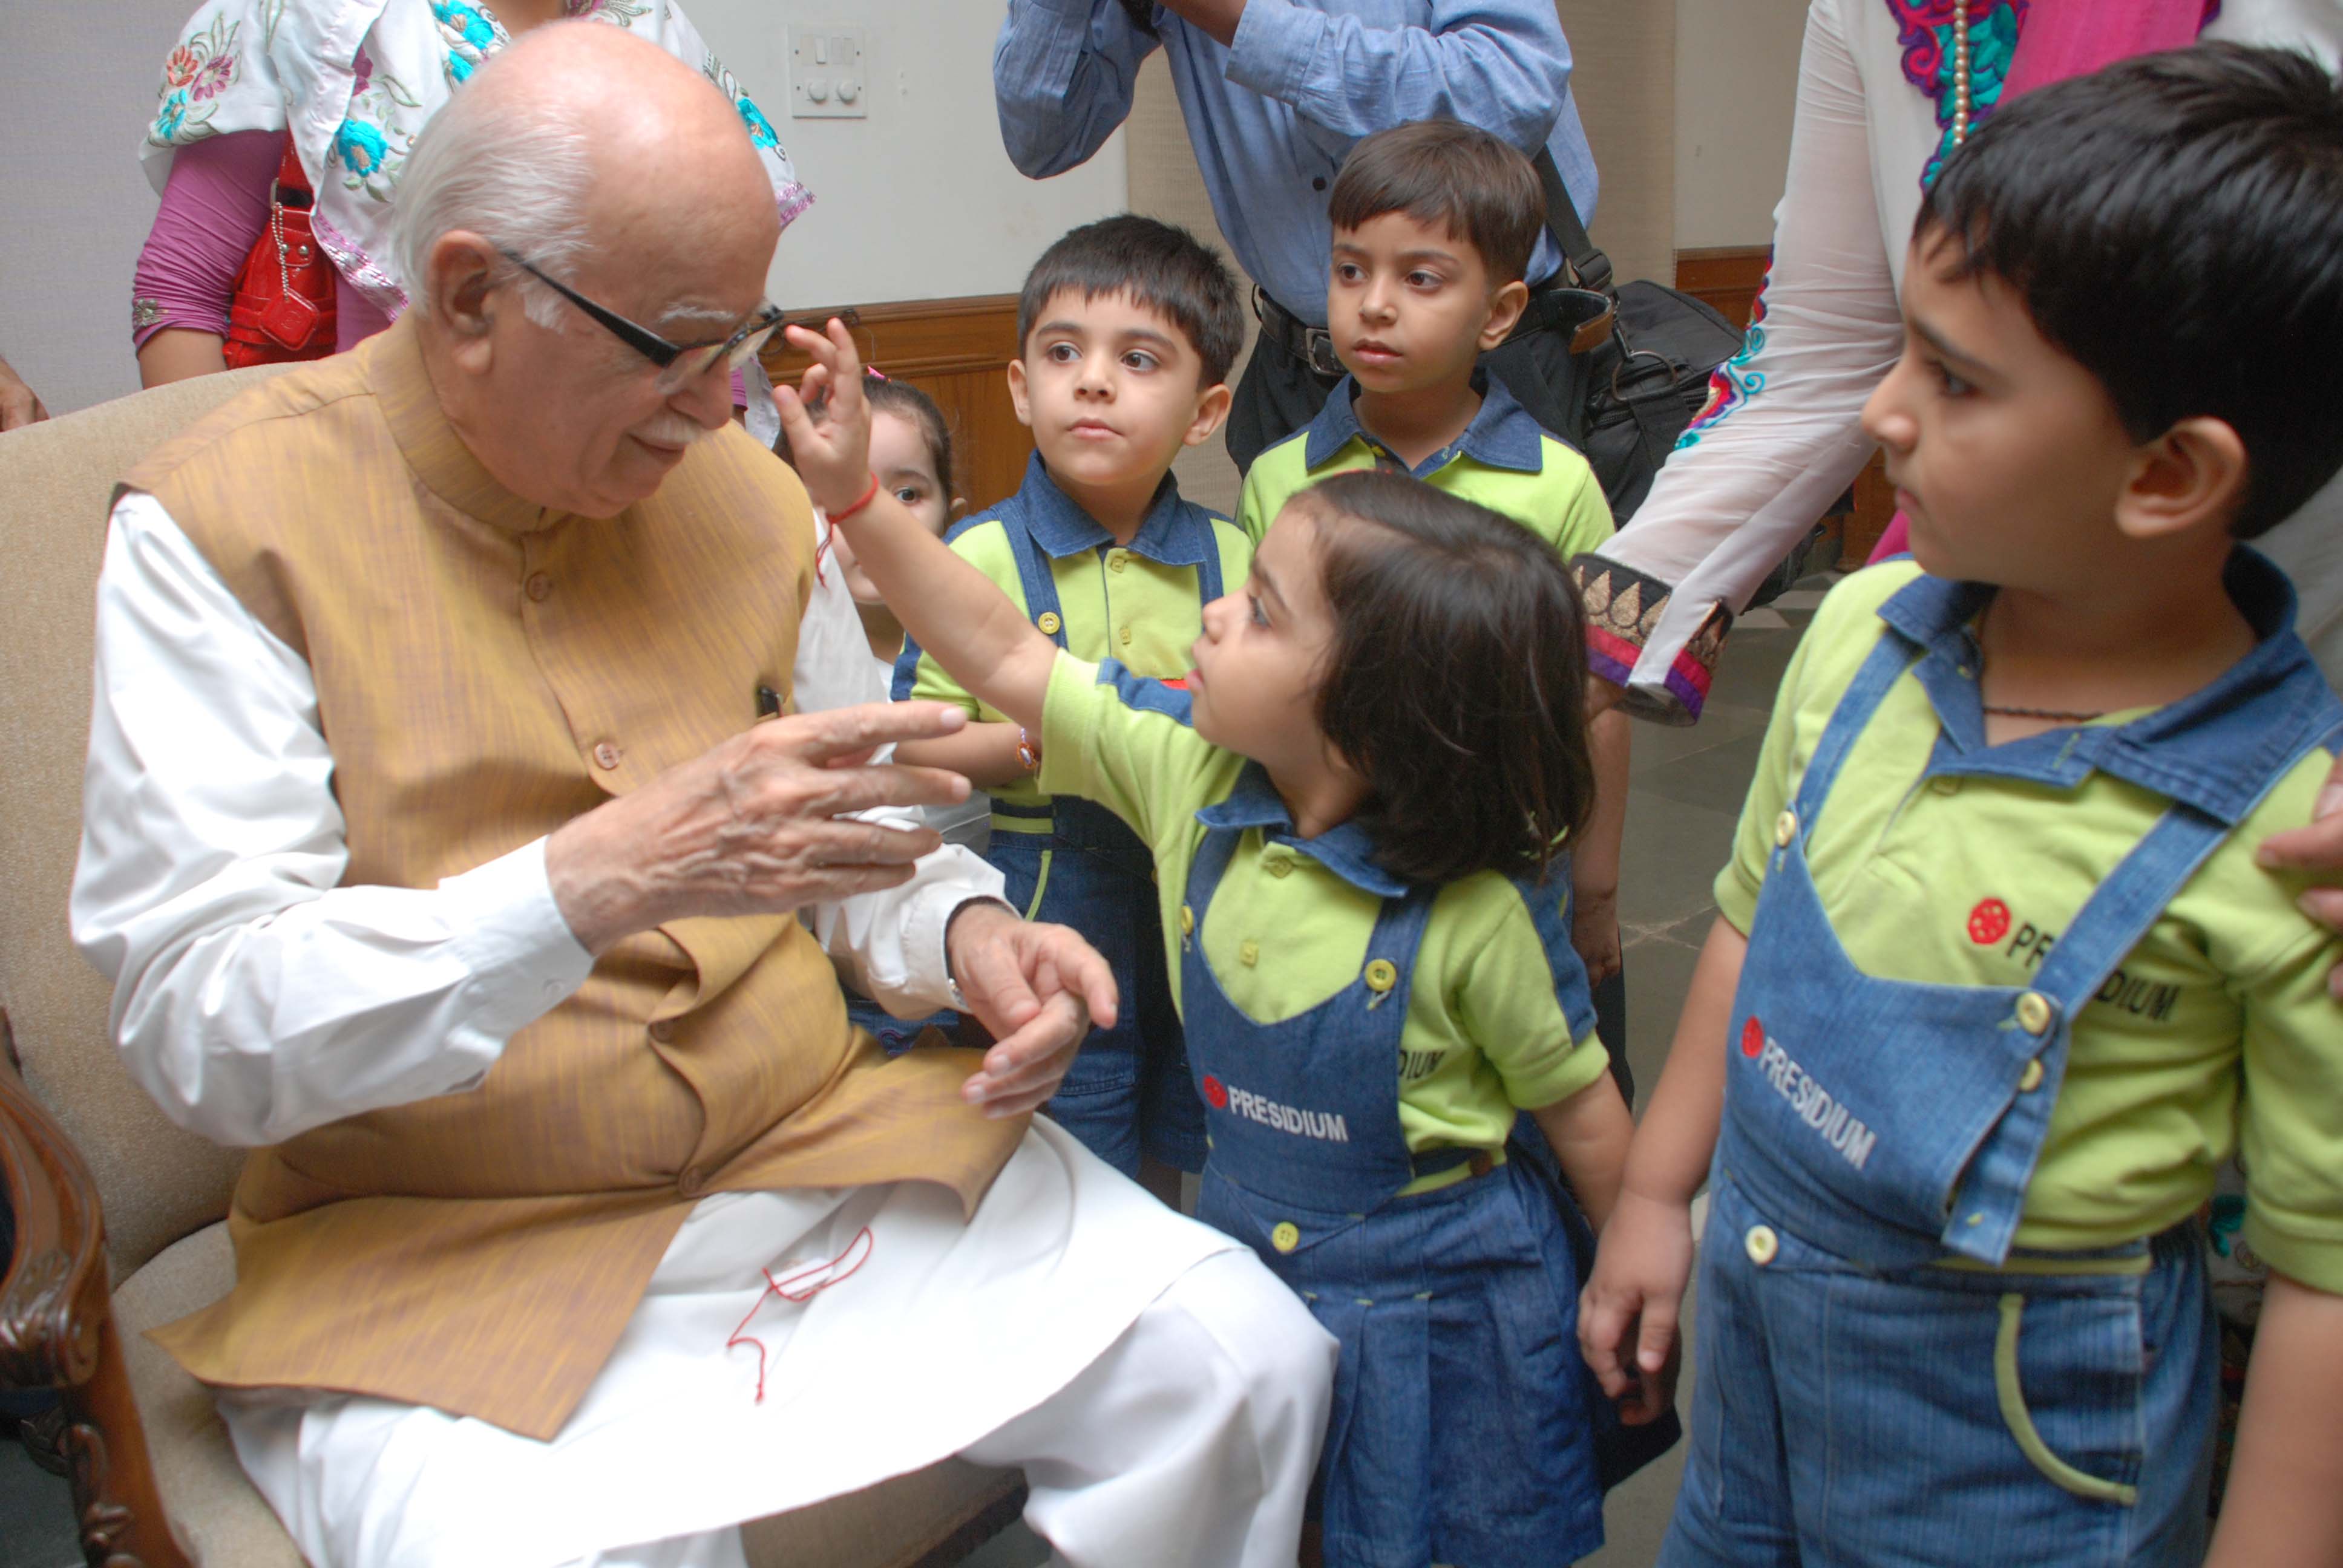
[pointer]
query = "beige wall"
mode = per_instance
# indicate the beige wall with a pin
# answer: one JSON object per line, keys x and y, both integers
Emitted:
{"x": 76, "y": 87}
{"x": 1736, "y": 87}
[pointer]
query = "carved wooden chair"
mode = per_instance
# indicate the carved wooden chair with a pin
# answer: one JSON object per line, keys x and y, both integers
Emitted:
{"x": 119, "y": 1215}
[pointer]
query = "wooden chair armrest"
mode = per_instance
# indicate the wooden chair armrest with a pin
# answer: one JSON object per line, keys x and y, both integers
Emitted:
{"x": 56, "y": 1331}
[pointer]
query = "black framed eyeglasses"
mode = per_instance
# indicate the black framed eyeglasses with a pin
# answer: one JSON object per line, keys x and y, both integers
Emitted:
{"x": 679, "y": 363}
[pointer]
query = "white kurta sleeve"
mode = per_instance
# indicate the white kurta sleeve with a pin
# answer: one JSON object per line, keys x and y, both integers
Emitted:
{"x": 887, "y": 945}
{"x": 254, "y": 997}
{"x": 1781, "y": 436}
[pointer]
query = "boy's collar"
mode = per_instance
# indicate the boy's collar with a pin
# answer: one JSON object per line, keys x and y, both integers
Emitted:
{"x": 1503, "y": 435}
{"x": 1170, "y": 535}
{"x": 1344, "y": 850}
{"x": 2213, "y": 750}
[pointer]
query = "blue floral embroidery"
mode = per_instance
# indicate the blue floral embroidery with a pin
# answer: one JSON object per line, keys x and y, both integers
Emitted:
{"x": 761, "y": 129}
{"x": 2229, "y": 1219}
{"x": 362, "y": 147}
{"x": 174, "y": 115}
{"x": 197, "y": 72}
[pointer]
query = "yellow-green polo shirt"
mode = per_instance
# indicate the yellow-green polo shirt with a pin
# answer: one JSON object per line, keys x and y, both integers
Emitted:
{"x": 1486, "y": 1031}
{"x": 1137, "y": 604}
{"x": 1505, "y": 461}
{"x": 1968, "y": 879}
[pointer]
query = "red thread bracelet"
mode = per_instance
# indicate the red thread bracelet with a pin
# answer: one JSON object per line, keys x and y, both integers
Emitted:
{"x": 858, "y": 505}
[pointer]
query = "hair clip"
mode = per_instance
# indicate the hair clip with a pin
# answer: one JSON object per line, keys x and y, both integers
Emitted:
{"x": 874, "y": 373}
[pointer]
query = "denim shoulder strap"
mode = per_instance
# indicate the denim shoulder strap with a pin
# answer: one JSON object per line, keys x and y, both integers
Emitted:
{"x": 1208, "y": 561}
{"x": 1033, "y": 573}
{"x": 1991, "y": 1197}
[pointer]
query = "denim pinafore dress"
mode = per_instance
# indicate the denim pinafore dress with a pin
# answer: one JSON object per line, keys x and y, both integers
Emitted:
{"x": 1128, "y": 1094}
{"x": 1880, "y": 1376}
{"x": 1463, "y": 1419}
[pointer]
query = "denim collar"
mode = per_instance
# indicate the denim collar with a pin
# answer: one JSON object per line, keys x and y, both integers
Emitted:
{"x": 1344, "y": 850}
{"x": 1174, "y": 532}
{"x": 1503, "y": 435}
{"x": 2215, "y": 750}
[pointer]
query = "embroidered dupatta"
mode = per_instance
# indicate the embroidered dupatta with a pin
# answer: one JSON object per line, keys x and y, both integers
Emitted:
{"x": 357, "y": 80}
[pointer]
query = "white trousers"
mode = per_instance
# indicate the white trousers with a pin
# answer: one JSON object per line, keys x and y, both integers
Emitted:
{"x": 1164, "y": 1393}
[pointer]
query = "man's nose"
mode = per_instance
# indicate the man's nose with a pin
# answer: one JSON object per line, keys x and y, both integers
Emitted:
{"x": 706, "y": 399}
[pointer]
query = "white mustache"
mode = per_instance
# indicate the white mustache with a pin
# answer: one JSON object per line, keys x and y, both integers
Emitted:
{"x": 669, "y": 428}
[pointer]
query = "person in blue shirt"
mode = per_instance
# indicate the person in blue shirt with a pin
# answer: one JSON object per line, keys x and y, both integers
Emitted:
{"x": 1275, "y": 92}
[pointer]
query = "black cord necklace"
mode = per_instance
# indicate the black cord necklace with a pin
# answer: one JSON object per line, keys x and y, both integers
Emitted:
{"x": 2010, "y": 711}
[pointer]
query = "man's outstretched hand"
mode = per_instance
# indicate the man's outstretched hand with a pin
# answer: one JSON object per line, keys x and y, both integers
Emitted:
{"x": 758, "y": 824}
{"x": 1038, "y": 989}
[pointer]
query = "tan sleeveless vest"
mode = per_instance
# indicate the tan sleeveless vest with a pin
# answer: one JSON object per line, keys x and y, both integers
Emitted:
{"x": 486, "y": 670}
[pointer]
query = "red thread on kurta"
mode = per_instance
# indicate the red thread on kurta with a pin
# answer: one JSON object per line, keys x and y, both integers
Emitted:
{"x": 803, "y": 1285}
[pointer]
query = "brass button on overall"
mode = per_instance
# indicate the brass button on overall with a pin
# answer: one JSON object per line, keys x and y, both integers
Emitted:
{"x": 1382, "y": 975}
{"x": 1785, "y": 828}
{"x": 539, "y": 586}
{"x": 1187, "y": 921}
{"x": 1286, "y": 1236}
{"x": 1048, "y": 623}
{"x": 1760, "y": 1244}
{"x": 2031, "y": 1079}
{"x": 2034, "y": 1012}
{"x": 605, "y": 755}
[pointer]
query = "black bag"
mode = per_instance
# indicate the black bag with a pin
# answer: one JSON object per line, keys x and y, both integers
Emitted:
{"x": 1642, "y": 355}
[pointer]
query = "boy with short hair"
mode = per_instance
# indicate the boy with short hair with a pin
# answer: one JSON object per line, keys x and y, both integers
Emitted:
{"x": 2010, "y": 968}
{"x": 1435, "y": 225}
{"x": 1128, "y": 328}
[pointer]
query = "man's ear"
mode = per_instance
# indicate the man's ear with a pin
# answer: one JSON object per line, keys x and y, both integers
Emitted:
{"x": 2191, "y": 477}
{"x": 1211, "y": 408}
{"x": 461, "y": 276}
{"x": 1504, "y": 311}
{"x": 1020, "y": 399}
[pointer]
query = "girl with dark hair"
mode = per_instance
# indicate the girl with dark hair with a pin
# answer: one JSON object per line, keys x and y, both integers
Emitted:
{"x": 1359, "y": 804}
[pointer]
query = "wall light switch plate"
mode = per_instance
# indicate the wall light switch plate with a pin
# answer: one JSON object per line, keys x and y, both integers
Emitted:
{"x": 828, "y": 80}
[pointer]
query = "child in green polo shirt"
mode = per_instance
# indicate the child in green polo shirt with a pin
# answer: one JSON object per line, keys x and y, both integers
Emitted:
{"x": 1998, "y": 983}
{"x": 1435, "y": 225}
{"x": 1128, "y": 328}
{"x": 1356, "y": 808}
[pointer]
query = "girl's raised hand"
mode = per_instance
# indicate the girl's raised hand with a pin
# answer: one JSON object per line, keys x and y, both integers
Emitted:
{"x": 833, "y": 458}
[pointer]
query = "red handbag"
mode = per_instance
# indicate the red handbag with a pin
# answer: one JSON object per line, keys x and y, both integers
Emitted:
{"x": 284, "y": 307}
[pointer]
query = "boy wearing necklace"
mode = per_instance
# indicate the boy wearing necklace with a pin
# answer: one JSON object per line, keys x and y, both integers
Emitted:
{"x": 1999, "y": 984}
{"x": 1435, "y": 226}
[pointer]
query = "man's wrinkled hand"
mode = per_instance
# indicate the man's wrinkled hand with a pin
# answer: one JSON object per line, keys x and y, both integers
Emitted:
{"x": 1037, "y": 988}
{"x": 2316, "y": 851}
{"x": 759, "y": 824}
{"x": 1595, "y": 933}
{"x": 19, "y": 405}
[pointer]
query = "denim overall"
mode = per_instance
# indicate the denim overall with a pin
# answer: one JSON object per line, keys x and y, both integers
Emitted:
{"x": 1128, "y": 1094}
{"x": 1880, "y": 1377}
{"x": 1463, "y": 1420}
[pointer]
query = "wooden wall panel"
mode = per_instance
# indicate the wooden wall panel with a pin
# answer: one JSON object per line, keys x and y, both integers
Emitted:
{"x": 957, "y": 351}
{"x": 1729, "y": 277}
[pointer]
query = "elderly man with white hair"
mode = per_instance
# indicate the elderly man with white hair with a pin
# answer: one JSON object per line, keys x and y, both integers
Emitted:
{"x": 438, "y": 855}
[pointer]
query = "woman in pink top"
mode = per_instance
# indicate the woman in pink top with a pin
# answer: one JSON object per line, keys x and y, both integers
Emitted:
{"x": 356, "y": 80}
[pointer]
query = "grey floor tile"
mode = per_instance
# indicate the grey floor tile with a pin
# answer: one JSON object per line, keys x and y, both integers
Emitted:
{"x": 1716, "y": 779}
{"x": 1658, "y": 974}
{"x": 36, "y": 1525}
{"x": 1671, "y": 854}
{"x": 1658, "y": 745}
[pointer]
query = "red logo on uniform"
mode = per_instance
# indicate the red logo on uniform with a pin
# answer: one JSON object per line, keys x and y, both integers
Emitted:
{"x": 1753, "y": 1037}
{"x": 1215, "y": 1091}
{"x": 1988, "y": 922}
